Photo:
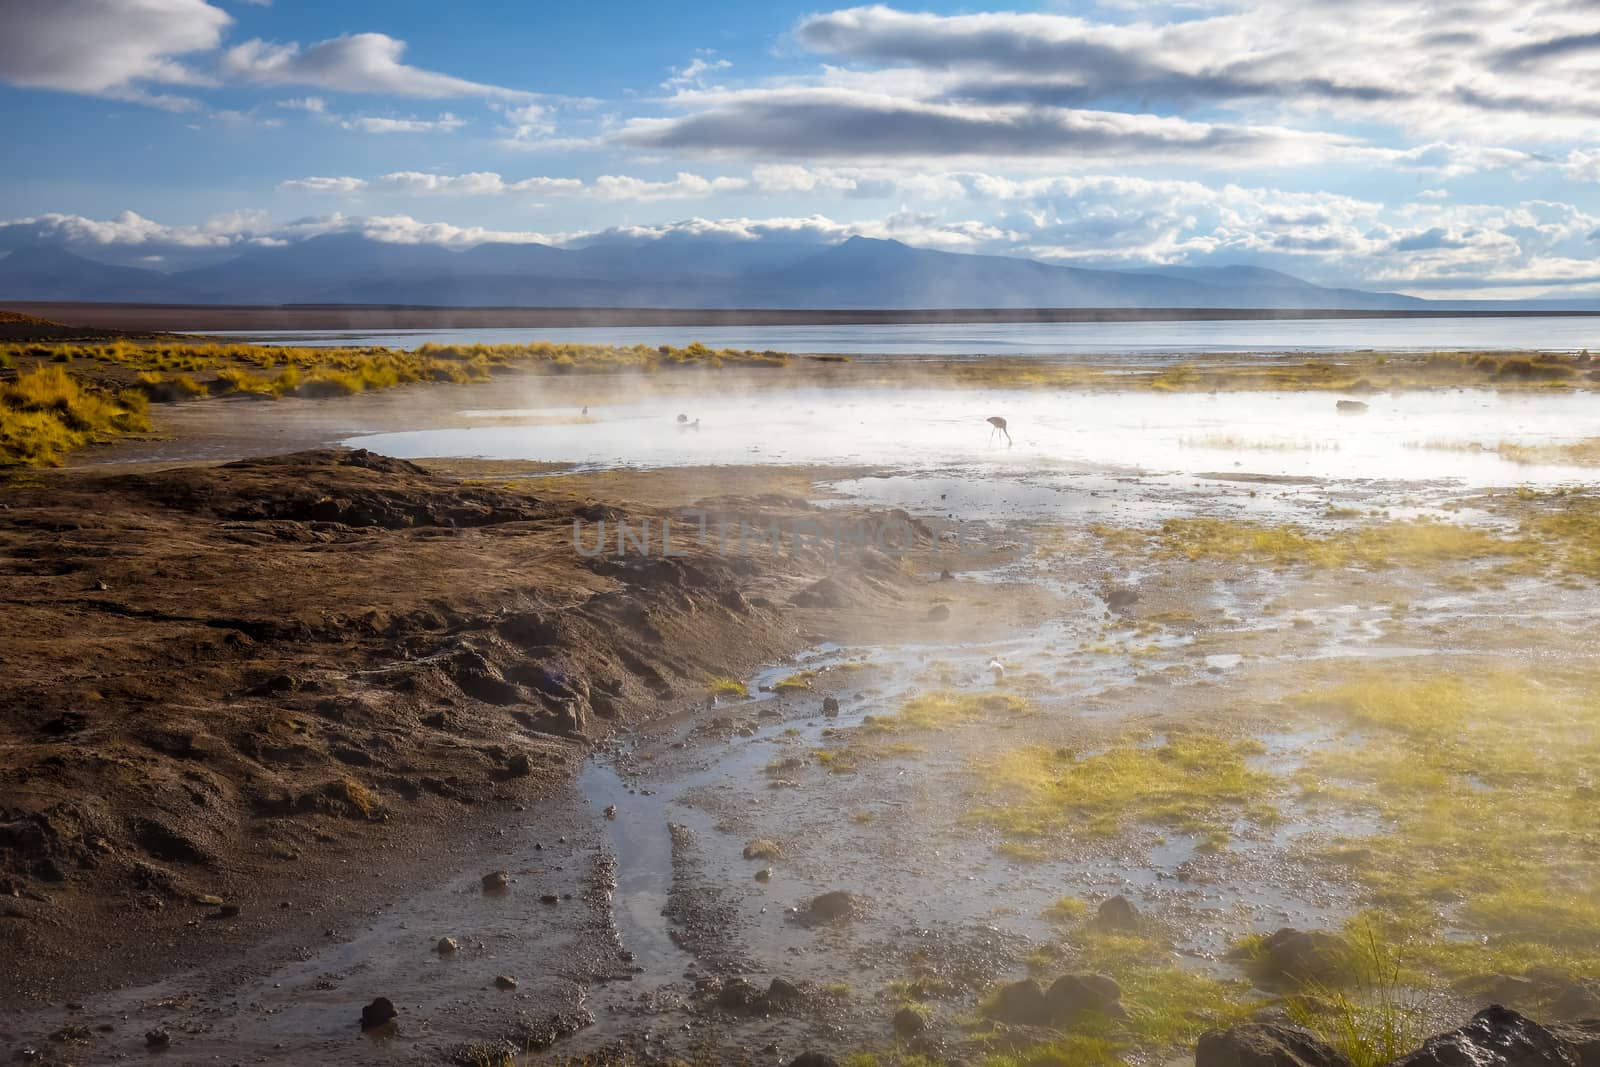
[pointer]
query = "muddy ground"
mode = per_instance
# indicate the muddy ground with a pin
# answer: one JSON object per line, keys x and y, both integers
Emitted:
{"x": 268, "y": 724}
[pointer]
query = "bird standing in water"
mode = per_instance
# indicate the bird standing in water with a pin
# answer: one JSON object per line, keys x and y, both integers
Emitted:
{"x": 999, "y": 425}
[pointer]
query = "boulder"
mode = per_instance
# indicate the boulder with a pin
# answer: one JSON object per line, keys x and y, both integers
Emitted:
{"x": 813, "y": 1059}
{"x": 377, "y": 1013}
{"x": 496, "y": 880}
{"x": 782, "y": 992}
{"x": 830, "y": 707}
{"x": 832, "y": 907}
{"x": 1073, "y": 996}
{"x": 1582, "y": 1040}
{"x": 909, "y": 1022}
{"x": 742, "y": 997}
{"x": 1117, "y": 913}
{"x": 1291, "y": 955}
{"x": 1265, "y": 1045}
{"x": 1020, "y": 1002}
{"x": 1496, "y": 1037}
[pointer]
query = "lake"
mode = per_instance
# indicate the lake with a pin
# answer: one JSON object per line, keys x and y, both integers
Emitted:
{"x": 1030, "y": 339}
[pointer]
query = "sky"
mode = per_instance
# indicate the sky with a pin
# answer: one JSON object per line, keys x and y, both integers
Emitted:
{"x": 1443, "y": 149}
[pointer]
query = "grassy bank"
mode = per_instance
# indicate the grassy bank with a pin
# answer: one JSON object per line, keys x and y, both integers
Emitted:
{"x": 55, "y": 398}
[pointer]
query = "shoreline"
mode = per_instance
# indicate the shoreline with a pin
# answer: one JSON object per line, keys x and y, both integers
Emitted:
{"x": 229, "y": 318}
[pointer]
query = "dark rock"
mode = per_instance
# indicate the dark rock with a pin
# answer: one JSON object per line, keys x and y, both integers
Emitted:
{"x": 1496, "y": 1037}
{"x": 157, "y": 1038}
{"x": 377, "y": 1013}
{"x": 813, "y": 1059}
{"x": 1020, "y": 1002}
{"x": 832, "y": 907}
{"x": 1582, "y": 1039}
{"x": 1117, "y": 913}
{"x": 1265, "y": 1045}
{"x": 939, "y": 613}
{"x": 446, "y": 945}
{"x": 1073, "y": 996}
{"x": 764, "y": 874}
{"x": 495, "y": 880}
{"x": 782, "y": 992}
{"x": 1299, "y": 955}
{"x": 519, "y": 766}
{"x": 228, "y": 911}
{"x": 504, "y": 981}
{"x": 908, "y": 1022}
{"x": 830, "y": 707}
{"x": 1121, "y": 597}
{"x": 742, "y": 997}
{"x": 549, "y": 898}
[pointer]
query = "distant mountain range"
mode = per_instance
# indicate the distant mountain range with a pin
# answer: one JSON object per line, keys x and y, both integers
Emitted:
{"x": 680, "y": 271}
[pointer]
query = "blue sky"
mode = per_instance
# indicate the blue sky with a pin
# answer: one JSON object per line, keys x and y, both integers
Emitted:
{"x": 1426, "y": 148}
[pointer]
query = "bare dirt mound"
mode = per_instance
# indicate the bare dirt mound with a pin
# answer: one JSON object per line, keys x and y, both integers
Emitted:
{"x": 243, "y": 679}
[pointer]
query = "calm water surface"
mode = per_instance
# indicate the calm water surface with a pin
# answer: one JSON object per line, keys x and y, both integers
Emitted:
{"x": 1036, "y": 339}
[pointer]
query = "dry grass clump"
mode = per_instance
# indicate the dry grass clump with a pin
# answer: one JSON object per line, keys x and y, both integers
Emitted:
{"x": 46, "y": 413}
{"x": 1489, "y": 857}
{"x": 1193, "y": 783}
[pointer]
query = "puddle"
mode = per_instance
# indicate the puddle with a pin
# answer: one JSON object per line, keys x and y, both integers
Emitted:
{"x": 1221, "y": 436}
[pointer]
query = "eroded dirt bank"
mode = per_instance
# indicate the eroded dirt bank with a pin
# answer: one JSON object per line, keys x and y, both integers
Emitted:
{"x": 243, "y": 701}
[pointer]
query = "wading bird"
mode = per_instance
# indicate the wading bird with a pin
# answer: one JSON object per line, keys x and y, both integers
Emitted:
{"x": 999, "y": 425}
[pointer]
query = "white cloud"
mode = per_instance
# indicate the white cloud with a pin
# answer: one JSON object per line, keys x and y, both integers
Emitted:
{"x": 314, "y": 105}
{"x": 693, "y": 73}
{"x": 355, "y": 63}
{"x": 445, "y": 123}
{"x": 682, "y": 186}
{"x": 108, "y": 47}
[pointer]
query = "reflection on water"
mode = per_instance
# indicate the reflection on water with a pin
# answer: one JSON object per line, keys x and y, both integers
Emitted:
{"x": 1027, "y": 338}
{"x": 1404, "y": 437}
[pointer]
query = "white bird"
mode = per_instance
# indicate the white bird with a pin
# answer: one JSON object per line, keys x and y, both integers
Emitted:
{"x": 999, "y": 670}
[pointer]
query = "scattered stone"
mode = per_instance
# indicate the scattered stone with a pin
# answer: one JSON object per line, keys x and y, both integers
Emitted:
{"x": 519, "y": 765}
{"x": 504, "y": 981}
{"x": 742, "y": 997}
{"x": 1020, "y": 1002}
{"x": 611, "y": 811}
{"x": 1073, "y": 996}
{"x": 939, "y": 613}
{"x": 1496, "y": 1037}
{"x": 762, "y": 849}
{"x": 1121, "y": 597}
{"x": 377, "y": 1013}
{"x": 157, "y": 1038}
{"x": 1117, "y": 913}
{"x": 495, "y": 880}
{"x": 832, "y": 907}
{"x": 830, "y": 707}
{"x": 909, "y": 1022}
{"x": 1265, "y": 1045}
{"x": 446, "y": 945}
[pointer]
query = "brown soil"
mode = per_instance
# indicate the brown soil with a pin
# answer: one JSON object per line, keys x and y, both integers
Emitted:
{"x": 256, "y": 681}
